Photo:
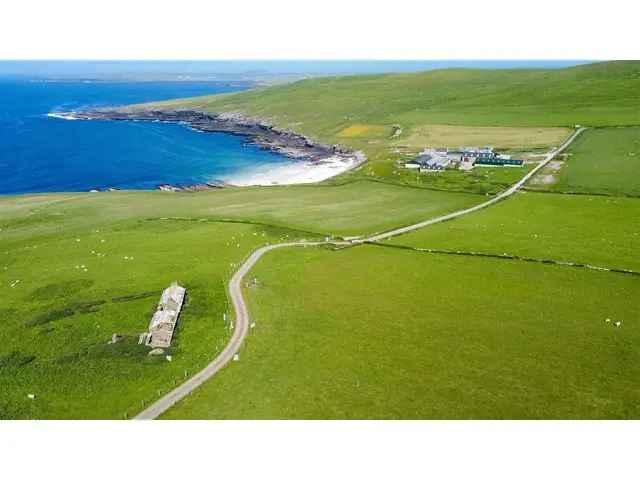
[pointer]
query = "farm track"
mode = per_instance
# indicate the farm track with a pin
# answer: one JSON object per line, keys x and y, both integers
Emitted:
{"x": 242, "y": 318}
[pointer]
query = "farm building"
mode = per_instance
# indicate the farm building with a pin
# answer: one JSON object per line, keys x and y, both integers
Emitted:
{"x": 471, "y": 154}
{"x": 430, "y": 160}
{"x": 484, "y": 152}
{"x": 465, "y": 158}
{"x": 485, "y": 157}
{"x": 164, "y": 320}
{"x": 498, "y": 162}
{"x": 412, "y": 165}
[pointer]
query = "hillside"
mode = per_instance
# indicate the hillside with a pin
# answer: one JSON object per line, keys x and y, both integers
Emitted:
{"x": 596, "y": 94}
{"x": 433, "y": 107}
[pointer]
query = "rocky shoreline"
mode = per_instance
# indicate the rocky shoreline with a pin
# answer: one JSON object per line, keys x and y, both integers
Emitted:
{"x": 266, "y": 136}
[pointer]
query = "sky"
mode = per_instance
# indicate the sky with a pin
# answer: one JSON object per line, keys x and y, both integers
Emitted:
{"x": 327, "y": 29}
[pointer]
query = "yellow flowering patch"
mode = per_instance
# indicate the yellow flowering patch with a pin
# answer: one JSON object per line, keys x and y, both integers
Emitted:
{"x": 354, "y": 130}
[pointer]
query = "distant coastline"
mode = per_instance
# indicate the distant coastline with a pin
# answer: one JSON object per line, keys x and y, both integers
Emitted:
{"x": 310, "y": 161}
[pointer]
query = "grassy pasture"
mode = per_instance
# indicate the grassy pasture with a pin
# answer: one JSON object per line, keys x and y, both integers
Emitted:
{"x": 502, "y": 138}
{"x": 596, "y": 94}
{"x": 77, "y": 289}
{"x": 69, "y": 286}
{"x": 368, "y": 131}
{"x": 480, "y": 180}
{"x": 602, "y": 160}
{"x": 348, "y": 209}
{"x": 599, "y": 230}
{"x": 386, "y": 333}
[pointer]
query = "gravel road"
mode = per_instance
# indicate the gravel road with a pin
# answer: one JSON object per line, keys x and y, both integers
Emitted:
{"x": 242, "y": 319}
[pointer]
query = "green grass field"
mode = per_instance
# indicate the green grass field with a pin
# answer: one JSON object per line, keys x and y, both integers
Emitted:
{"x": 587, "y": 229}
{"x": 604, "y": 161}
{"x": 348, "y": 209}
{"x": 58, "y": 318}
{"x": 596, "y": 94}
{"x": 483, "y": 181}
{"x": 77, "y": 289}
{"x": 501, "y": 138}
{"x": 375, "y": 332}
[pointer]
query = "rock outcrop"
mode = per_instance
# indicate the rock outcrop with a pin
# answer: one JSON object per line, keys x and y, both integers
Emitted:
{"x": 259, "y": 132}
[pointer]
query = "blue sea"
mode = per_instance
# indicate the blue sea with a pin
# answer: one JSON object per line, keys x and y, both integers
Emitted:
{"x": 39, "y": 153}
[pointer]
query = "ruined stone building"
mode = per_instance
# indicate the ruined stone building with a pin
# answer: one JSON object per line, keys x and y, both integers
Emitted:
{"x": 164, "y": 320}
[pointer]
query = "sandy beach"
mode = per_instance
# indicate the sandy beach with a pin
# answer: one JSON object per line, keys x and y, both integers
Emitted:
{"x": 294, "y": 172}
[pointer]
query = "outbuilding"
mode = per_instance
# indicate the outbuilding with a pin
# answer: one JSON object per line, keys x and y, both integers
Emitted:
{"x": 498, "y": 162}
{"x": 165, "y": 318}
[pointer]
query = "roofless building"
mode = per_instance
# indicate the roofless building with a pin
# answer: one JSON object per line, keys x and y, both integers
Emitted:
{"x": 164, "y": 320}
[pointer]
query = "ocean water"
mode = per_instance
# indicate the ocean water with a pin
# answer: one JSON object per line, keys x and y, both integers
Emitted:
{"x": 39, "y": 153}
